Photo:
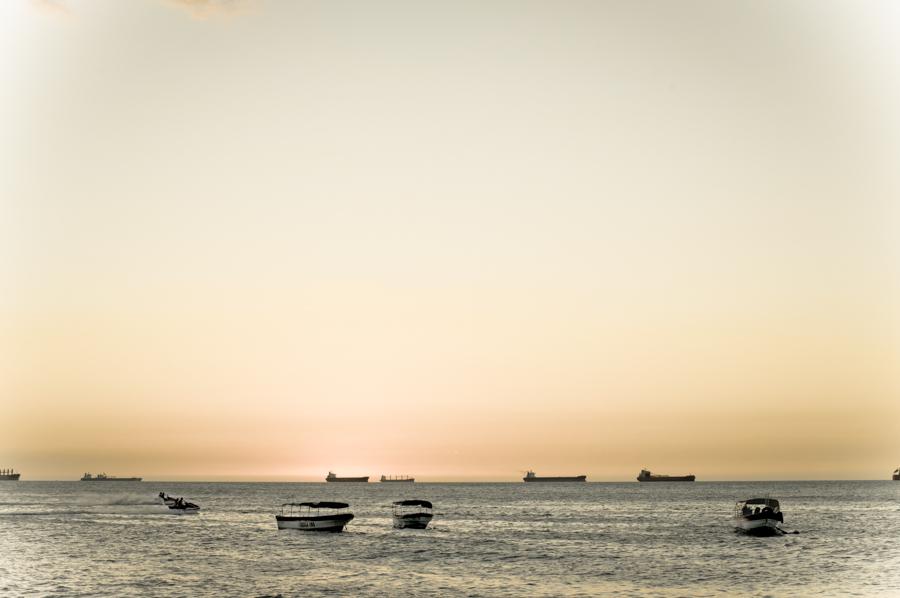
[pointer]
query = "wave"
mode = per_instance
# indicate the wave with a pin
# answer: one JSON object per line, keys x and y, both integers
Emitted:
{"x": 44, "y": 513}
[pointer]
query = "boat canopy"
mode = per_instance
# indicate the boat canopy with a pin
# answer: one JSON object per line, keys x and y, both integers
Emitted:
{"x": 414, "y": 502}
{"x": 317, "y": 505}
{"x": 769, "y": 502}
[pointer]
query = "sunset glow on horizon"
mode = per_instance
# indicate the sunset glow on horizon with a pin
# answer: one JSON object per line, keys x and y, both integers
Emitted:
{"x": 265, "y": 240}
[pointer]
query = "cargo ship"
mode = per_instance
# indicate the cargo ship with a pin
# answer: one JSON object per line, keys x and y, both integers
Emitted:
{"x": 397, "y": 478}
{"x": 646, "y": 476}
{"x": 9, "y": 475}
{"x": 102, "y": 477}
{"x": 530, "y": 477}
{"x": 333, "y": 478}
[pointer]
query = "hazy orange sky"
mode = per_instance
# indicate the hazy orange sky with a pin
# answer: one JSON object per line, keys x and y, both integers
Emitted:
{"x": 262, "y": 240}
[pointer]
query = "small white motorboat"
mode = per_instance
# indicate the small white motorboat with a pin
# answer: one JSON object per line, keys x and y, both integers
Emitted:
{"x": 314, "y": 516}
{"x": 758, "y": 517}
{"x": 412, "y": 514}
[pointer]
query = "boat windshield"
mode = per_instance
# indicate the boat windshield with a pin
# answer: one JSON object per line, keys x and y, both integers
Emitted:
{"x": 410, "y": 506}
{"x": 757, "y": 505}
{"x": 306, "y": 508}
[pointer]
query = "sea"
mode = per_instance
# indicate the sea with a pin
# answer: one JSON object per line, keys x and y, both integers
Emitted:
{"x": 510, "y": 539}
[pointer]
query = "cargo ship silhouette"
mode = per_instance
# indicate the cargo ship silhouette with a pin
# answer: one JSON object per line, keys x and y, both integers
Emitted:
{"x": 646, "y": 476}
{"x": 9, "y": 475}
{"x": 531, "y": 477}
{"x": 102, "y": 477}
{"x": 398, "y": 478}
{"x": 333, "y": 478}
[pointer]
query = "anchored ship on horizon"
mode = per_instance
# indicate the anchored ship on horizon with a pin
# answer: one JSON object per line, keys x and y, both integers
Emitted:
{"x": 646, "y": 476}
{"x": 9, "y": 475}
{"x": 531, "y": 477}
{"x": 333, "y": 478}
{"x": 397, "y": 478}
{"x": 102, "y": 477}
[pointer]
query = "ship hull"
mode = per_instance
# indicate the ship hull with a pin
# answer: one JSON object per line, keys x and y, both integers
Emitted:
{"x": 184, "y": 511}
{"x": 410, "y": 481}
{"x": 113, "y": 480}
{"x": 674, "y": 478}
{"x": 412, "y": 520}
{"x": 758, "y": 527}
{"x": 360, "y": 479}
{"x": 577, "y": 478}
{"x": 322, "y": 523}
{"x": 10, "y": 477}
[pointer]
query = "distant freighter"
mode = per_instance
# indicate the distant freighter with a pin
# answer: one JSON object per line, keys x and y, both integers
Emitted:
{"x": 399, "y": 478}
{"x": 646, "y": 476}
{"x": 9, "y": 475}
{"x": 333, "y": 478}
{"x": 102, "y": 477}
{"x": 530, "y": 477}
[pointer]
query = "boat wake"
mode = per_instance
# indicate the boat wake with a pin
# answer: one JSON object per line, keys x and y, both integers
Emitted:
{"x": 43, "y": 513}
{"x": 122, "y": 499}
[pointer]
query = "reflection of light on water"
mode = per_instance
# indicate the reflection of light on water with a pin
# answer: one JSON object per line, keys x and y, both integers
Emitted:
{"x": 488, "y": 540}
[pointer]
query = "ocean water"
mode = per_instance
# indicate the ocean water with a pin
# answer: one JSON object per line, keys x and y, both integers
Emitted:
{"x": 114, "y": 539}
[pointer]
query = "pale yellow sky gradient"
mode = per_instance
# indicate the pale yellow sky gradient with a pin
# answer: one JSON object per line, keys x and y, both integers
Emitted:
{"x": 261, "y": 240}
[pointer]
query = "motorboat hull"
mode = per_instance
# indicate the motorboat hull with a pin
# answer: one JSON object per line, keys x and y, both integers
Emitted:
{"x": 412, "y": 520}
{"x": 320, "y": 523}
{"x": 184, "y": 511}
{"x": 768, "y": 526}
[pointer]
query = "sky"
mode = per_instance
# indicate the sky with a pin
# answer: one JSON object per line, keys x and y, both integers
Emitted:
{"x": 261, "y": 240}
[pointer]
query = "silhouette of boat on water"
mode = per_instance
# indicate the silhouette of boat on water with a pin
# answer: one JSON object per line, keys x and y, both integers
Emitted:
{"x": 9, "y": 475}
{"x": 646, "y": 476}
{"x": 412, "y": 514}
{"x": 895, "y": 476}
{"x": 314, "y": 516}
{"x": 758, "y": 517}
{"x": 333, "y": 478}
{"x": 102, "y": 477}
{"x": 531, "y": 477}
{"x": 397, "y": 478}
{"x": 178, "y": 506}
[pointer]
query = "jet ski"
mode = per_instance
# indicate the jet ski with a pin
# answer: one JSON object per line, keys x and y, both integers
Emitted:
{"x": 178, "y": 505}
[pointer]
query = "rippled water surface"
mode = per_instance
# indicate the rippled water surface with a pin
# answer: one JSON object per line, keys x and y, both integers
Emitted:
{"x": 114, "y": 539}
